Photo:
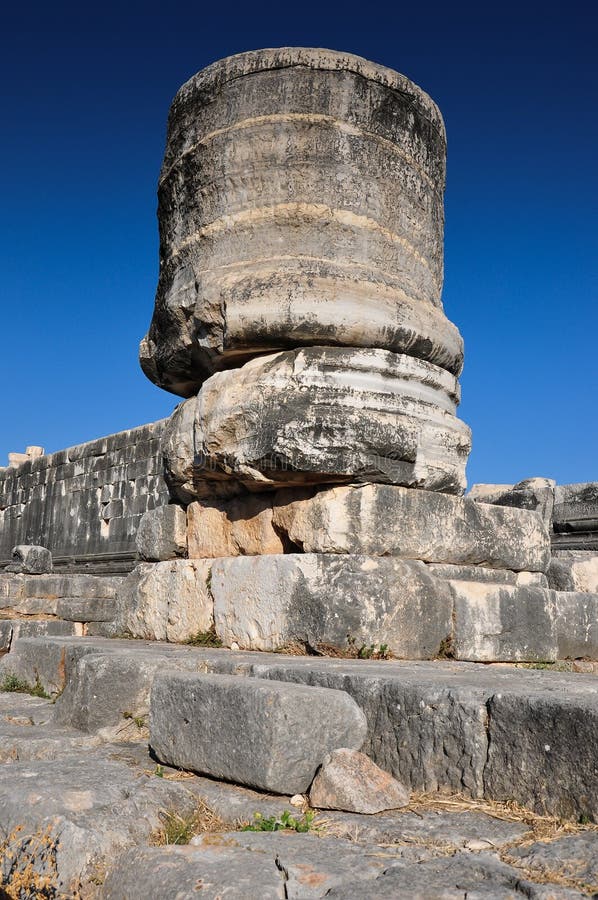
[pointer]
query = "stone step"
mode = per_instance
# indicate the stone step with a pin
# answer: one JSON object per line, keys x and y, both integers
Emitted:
{"x": 499, "y": 732}
{"x": 49, "y": 587}
{"x": 99, "y": 805}
{"x": 14, "y": 629}
{"x": 72, "y": 609}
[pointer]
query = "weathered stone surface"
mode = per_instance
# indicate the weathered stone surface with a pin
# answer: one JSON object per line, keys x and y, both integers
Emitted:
{"x": 14, "y": 628}
{"x": 428, "y": 722}
{"x": 84, "y": 503}
{"x": 242, "y": 526}
{"x": 483, "y": 574}
{"x": 551, "y": 732}
{"x": 575, "y": 617}
{"x": 572, "y": 855}
{"x": 166, "y": 601}
{"x": 506, "y": 623}
{"x": 387, "y": 520}
{"x": 29, "y": 559}
{"x": 462, "y": 875}
{"x": 27, "y": 731}
{"x": 266, "y": 602}
{"x": 536, "y": 494}
{"x": 278, "y": 144}
{"x": 575, "y": 516}
{"x": 317, "y": 415}
{"x": 578, "y": 571}
{"x": 196, "y": 722}
{"x": 162, "y": 533}
{"x": 350, "y": 781}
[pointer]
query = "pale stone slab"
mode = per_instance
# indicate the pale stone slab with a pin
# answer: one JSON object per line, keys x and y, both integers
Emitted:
{"x": 382, "y": 519}
{"x": 162, "y": 533}
{"x": 243, "y": 526}
{"x": 483, "y": 574}
{"x": 29, "y": 559}
{"x": 266, "y": 602}
{"x": 165, "y": 601}
{"x": 507, "y": 623}
{"x": 263, "y": 734}
{"x": 322, "y": 414}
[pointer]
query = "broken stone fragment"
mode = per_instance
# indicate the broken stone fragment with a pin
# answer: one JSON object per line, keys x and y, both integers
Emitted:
{"x": 162, "y": 533}
{"x": 243, "y": 526}
{"x": 322, "y": 414}
{"x": 261, "y": 202}
{"x": 165, "y": 601}
{"x": 387, "y": 520}
{"x": 30, "y": 559}
{"x": 350, "y": 781}
{"x": 264, "y": 734}
{"x": 536, "y": 494}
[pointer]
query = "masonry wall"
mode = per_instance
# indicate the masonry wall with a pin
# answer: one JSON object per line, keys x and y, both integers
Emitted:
{"x": 84, "y": 503}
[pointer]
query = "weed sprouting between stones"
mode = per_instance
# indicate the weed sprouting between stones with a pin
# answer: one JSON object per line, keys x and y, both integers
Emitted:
{"x": 285, "y": 822}
{"x": 204, "y": 639}
{"x": 11, "y": 683}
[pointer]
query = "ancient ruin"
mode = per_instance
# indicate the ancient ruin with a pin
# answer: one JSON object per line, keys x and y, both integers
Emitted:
{"x": 283, "y": 589}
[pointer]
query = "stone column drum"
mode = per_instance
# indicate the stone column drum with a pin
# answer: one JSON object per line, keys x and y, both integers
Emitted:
{"x": 300, "y": 203}
{"x": 299, "y": 296}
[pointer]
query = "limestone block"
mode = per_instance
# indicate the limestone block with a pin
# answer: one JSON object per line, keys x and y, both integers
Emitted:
{"x": 261, "y": 202}
{"x": 350, "y": 781}
{"x": 264, "y": 734}
{"x": 483, "y": 574}
{"x": 577, "y": 572}
{"x": 162, "y": 533}
{"x": 243, "y": 526}
{"x": 503, "y": 623}
{"x": 165, "y": 601}
{"x": 29, "y": 559}
{"x": 535, "y": 494}
{"x": 387, "y": 520}
{"x": 575, "y": 617}
{"x": 266, "y": 602}
{"x": 317, "y": 415}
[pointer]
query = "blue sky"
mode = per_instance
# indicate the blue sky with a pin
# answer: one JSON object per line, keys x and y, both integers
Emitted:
{"x": 86, "y": 95}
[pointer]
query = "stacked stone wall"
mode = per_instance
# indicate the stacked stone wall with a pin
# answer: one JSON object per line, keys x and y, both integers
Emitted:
{"x": 84, "y": 503}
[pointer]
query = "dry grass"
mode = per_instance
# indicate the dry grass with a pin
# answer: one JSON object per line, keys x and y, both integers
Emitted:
{"x": 178, "y": 829}
{"x": 353, "y": 650}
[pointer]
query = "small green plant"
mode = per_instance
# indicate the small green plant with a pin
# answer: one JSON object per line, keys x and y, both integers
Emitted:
{"x": 209, "y": 582}
{"x": 446, "y": 650}
{"x": 204, "y": 639}
{"x": 13, "y": 684}
{"x": 285, "y": 822}
{"x": 140, "y": 721}
{"x": 159, "y": 773}
{"x": 367, "y": 651}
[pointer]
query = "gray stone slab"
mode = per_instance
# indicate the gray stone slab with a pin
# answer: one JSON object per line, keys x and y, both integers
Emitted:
{"x": 266, "y": 602}
{"x": 484, "y": 574}
{"x": 162, "y": 533}
{"x": 287, "y": 730}
{"x": 578, "y": 572}
{"x": 572, "y": 856}
{"x": 575, "y": 617}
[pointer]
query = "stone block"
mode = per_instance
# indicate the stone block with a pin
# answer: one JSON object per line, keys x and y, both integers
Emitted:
{"x": 350, "y": 781}
{"x": 536, "y": 494}
{"x": 261, "y": 198}
{"x": 29, "y": 559}
{"x": 162, "y": 533}
{"x": 508, "y": 623}
{"x": 264, "y": 734}
{"x": 578, "y": 571}
{"x": 166, "y": 601}
{"x": 324, "y": 414}
{"x": 575, "y": 618}
{"x": 484, "y": 575}
{"x": 266, "y": 602}
{"x": 240, "y": 527}
{"x": 387, "y": 520}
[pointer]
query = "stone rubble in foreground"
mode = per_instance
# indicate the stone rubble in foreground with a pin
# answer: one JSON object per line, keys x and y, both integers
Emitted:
{"x": 87, "y": 815}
